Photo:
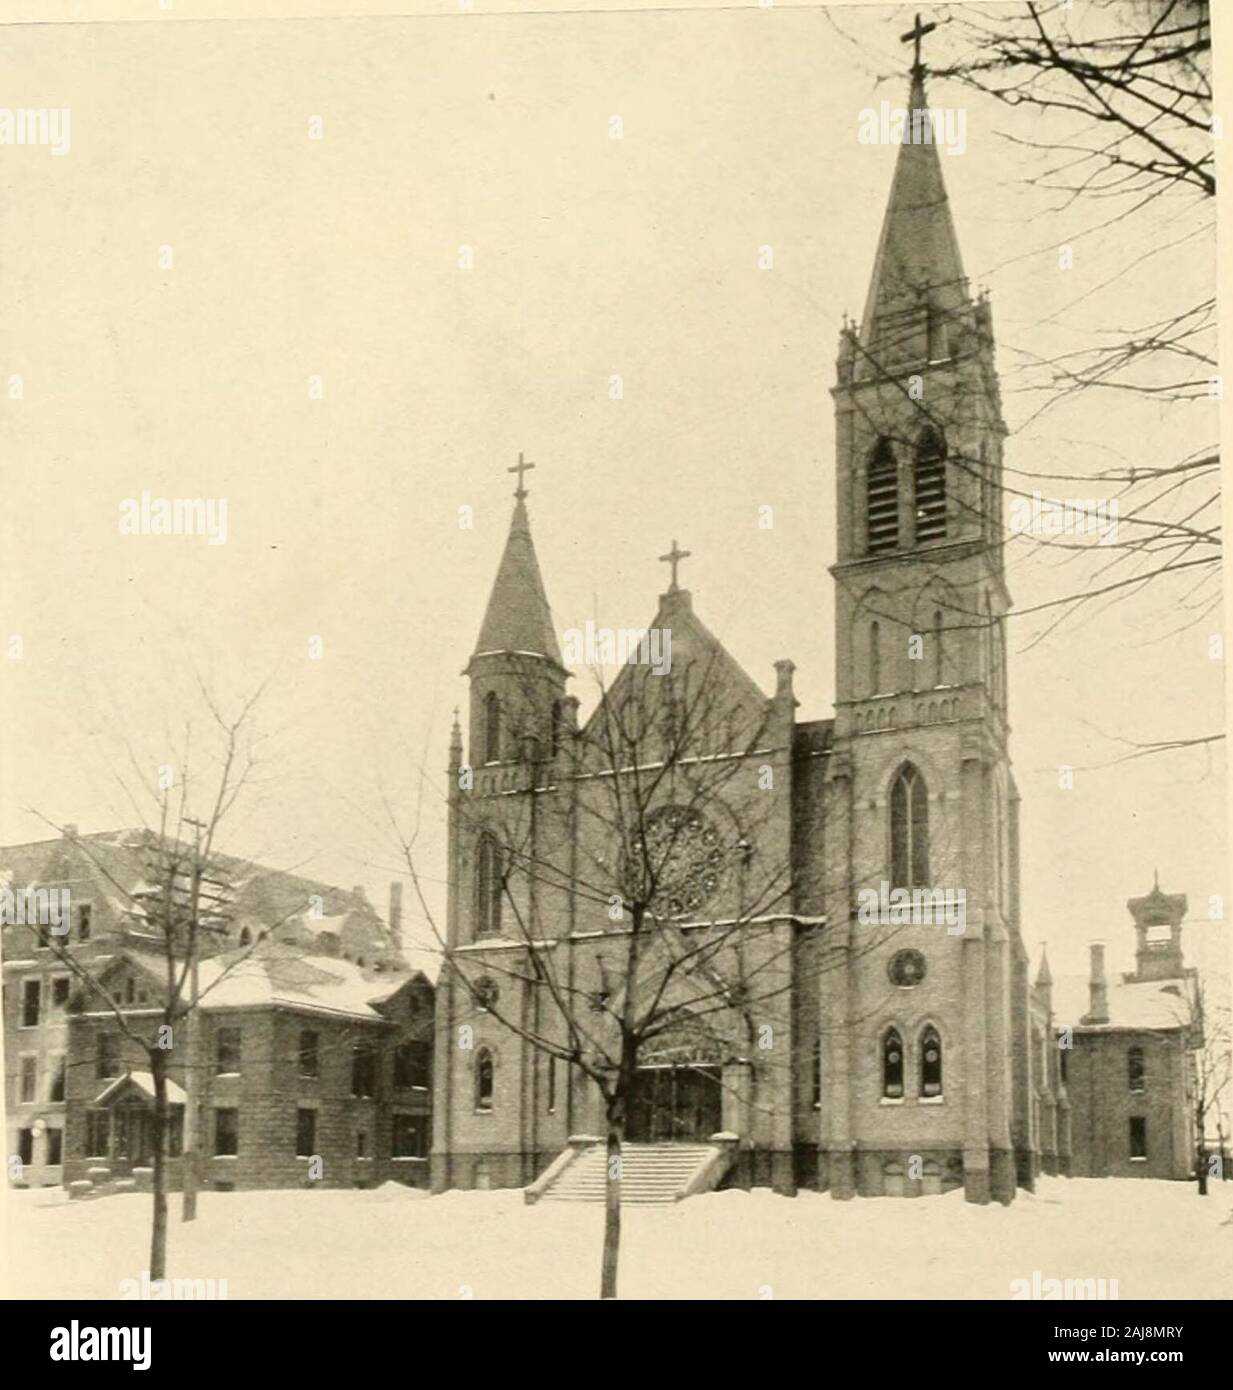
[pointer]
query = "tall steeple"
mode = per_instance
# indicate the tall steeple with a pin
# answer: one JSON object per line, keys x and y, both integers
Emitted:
{"x": 518, "y": 618}
{"x": 918, "y": 269}
{"x": 517, "y": 679}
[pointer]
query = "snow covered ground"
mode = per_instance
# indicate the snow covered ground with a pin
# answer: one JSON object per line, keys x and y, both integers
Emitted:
{"x": 1158, "y": 1240}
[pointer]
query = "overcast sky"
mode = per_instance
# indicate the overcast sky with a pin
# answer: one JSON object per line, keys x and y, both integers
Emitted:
{"x": 295, "y": 257}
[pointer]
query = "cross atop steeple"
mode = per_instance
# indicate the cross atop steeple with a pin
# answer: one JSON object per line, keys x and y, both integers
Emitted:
{"x": 674, "y": 558}
{"x": 914, "y": 35}
{"x": 520, "y": 468}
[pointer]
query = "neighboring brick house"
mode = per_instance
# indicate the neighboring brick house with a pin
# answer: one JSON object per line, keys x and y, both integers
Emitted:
{"x": 902, "y": 1058}
{"x": 100, "y": 872}
{"x": 1128, "y": 1075}
{"x": 301, "y": 1058}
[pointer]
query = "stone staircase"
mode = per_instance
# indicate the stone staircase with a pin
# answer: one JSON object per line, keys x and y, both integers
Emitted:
{"x": 651, "y": 1174}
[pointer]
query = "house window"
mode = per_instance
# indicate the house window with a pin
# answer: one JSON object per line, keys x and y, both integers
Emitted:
{"x": 363, "y": 1069}
{"x": 85, "y": 918}
{"x": 245, "y": 937}
{"x": 107, "y": 1057}
{"x": 483, "y": 1079}
{"x": 892, "y": 1065}
{"x": 411, "y": 1065}
{"x": 489, "y": 885}
{"x": 130, "y": 990}
{"x": 59, "y": 993}
{"x": 31, "y": 996}
{"x": 882, "y": 499}
{"x": 175, "y": 1132}
{"x": 492, "y": 728}
{"x": 29, "y": 1077}
{"x": 1136, "y": 1069}
{"x": 310, "y": 1061}
{"x": 227, "y": 1052}
{"x": 226, "y": 1132}
{"x": 930, "y": 480}
{"x": 409, "y": 1138}
{"x": 305, "y": 1132}
{"x": 909, "y": 829}
{"x": 930, "y": 1063}
{"x": 98, "y": 1133}
{"x": 25, "y": 1147}
{"x": 55, "y": 1147}
{"x": 1138, "y": 1137}
{"x": 55, "y": 1090}
{"x": 552, "y": 1085}
{"x": 361, "y": 1144}
{"x": 816, "y": 1079}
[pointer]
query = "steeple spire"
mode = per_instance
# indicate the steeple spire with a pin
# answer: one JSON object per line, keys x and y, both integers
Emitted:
{"x": 518, "y": 618}
{"x": 918, "y": 265}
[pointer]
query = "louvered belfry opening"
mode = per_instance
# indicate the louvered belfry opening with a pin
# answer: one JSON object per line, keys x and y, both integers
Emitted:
{"x": 883, "y": 499}
{"x": 930, "y": 482}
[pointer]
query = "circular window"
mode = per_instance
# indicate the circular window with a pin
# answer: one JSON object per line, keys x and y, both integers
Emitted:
{"x": 685, "y": 856}
{"x": 907, "y": 968}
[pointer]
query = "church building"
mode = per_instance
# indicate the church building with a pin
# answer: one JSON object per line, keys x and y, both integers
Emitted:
{"x": 833, "y": 989}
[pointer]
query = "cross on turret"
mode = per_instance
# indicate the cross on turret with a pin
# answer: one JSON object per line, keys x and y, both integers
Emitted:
{"x": 520, "y": 468}
{"x": 914, "y": 35}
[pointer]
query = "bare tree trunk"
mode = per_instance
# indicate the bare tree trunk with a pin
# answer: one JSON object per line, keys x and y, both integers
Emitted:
{"x": 612, "y": 1201}
{"x": 158, "y": 1235}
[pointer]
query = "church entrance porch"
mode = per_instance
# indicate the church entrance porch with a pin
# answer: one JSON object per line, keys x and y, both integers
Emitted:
{"x": 676, "y": 1103}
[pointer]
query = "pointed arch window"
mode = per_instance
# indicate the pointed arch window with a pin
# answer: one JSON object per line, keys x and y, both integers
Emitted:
{"x": 1136, "y": 1067}
{"x": 489, "y": 885}
{"x": 909, "y": 829}
{"x": 492, "y": 727}
{"x": 930, "y": 1062}
{"x": 929, "y": 476}
{"x": 875, "y": 658}
{"x": 937, "y": 647}
{"x": 882, "y": 513}
{"x": 483, "y": 1079}
{"x": 816, "y": 1079}
{"x": 892, "y": 1064}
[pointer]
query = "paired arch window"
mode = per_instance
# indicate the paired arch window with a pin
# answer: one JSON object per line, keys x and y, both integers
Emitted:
{"x": 882, "y": 511}
{"x": 483, "y": 1079}
{"x": 489, "y": 885}
{"x": 892, "y": 1064}
{"x": 929, "y": 477}
{"x": 930, "y": 1062}
{"x": 492, "y": 727}
{"x": 1136, "y": 1069}
{"x": 909, "y": 829}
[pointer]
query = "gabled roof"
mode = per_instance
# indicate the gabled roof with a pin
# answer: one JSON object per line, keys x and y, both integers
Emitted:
{"x": 700, "y": 666}
{"x": 142, "y": 1081}
{"x": 518, "y": 618}
{"x": 918, "y": 258}
{"x": 1159, "y": 1004}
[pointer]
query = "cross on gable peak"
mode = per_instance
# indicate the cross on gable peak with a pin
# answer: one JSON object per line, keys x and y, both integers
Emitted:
{"x": 674, "y": 558}
{"x": 521, "y": 467}
{"x": 914, "y": 36}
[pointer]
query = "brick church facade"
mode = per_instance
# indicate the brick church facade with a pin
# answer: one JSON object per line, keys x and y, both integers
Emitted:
{"x": 891, "y": 1056}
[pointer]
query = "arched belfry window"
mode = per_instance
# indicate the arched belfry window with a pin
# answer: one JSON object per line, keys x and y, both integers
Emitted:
{"x": 492, "y": 727}
{"x": 1136, "y": 1069}
{"x": 929, "y": 477}
{"x": 483, "y": 1079}
{"x": 882, "y": 510}
{"x": 930, "y": 1062}
{"x": 489, "y": 885}
{"x": 909, "y": 829}
{"x": 875, "y": 658}
{"x": 892, "y": 1064}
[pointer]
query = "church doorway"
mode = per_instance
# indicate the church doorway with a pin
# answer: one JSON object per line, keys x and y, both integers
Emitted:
{"x": 676, "y": 1103}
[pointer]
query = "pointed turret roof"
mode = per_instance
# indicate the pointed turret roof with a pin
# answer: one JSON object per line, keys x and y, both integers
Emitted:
{"x": 918, "y": 258}
{"x": 1044, "y": 976}
{"x": 518, "y": 618}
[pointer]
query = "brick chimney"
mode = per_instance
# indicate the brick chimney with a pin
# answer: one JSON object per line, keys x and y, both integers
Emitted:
{"x": 1098, "y": 1010}
{"x": 396, "y": 914}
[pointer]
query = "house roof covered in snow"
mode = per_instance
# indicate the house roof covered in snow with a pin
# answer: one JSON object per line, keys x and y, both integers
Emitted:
{"x": 1132, "y": 1003}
